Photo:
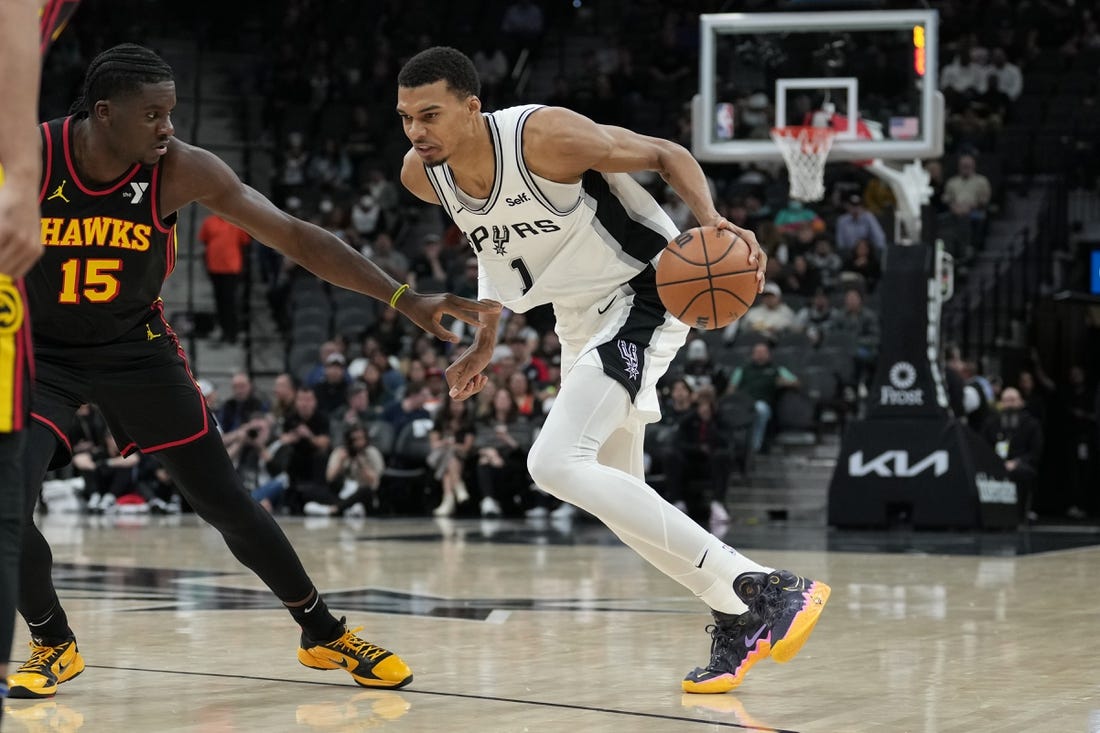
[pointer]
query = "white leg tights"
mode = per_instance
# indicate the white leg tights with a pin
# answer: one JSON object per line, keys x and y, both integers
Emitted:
{"x": 585, "y": 455}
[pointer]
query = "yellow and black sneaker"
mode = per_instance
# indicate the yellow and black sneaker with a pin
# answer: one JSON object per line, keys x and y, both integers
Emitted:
{"x": 368, "y": 665}
{"x": 47, "y": 667}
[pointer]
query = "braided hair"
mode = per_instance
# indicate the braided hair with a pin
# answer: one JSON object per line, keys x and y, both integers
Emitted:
{"x": 119, "y": 70}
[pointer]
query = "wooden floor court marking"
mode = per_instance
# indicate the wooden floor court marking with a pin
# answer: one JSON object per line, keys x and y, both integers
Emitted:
{"x": 455, "y": 695}
{"x": 919, "y": 627}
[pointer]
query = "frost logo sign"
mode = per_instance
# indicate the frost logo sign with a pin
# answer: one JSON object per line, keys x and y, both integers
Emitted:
{"x": 899, "y": 391}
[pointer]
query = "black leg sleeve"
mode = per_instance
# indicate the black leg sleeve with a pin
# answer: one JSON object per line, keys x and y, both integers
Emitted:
{"x": 11, "y": 520}
{"x": 37, "y": 598}
{"x": 207, "y": 480}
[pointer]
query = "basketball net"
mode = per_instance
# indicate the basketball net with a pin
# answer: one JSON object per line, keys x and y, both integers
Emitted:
{"x": 804, "y": 150}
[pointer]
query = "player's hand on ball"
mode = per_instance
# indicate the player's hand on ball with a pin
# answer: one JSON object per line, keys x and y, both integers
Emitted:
{"x": 758, "y": 258}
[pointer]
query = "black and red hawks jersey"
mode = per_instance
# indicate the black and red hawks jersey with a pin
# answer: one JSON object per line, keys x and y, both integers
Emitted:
{"x": 107, "y": 250}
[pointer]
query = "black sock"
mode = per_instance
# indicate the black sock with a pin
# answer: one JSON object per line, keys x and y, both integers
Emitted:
{"x": 52, "y": 627}
{"x": 317, "y": 622}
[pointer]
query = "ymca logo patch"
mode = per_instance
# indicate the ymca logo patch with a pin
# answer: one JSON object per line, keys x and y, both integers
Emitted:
{"x": 137, "y": 192}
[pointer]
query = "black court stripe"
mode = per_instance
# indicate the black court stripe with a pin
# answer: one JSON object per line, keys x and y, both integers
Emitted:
{"x": 636, "y": 239}
{"x": 457, "y": 695}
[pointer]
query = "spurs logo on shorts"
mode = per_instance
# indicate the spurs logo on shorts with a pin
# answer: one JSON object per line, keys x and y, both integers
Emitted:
{"x": 629, "y": 352}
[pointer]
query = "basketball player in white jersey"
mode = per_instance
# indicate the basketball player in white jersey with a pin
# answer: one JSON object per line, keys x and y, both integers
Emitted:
{"x": 544, "y": 197}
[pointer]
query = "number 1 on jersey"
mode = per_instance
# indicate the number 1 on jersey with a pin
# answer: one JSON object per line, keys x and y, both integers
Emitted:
{"x": 99, "y": 285}
{"x": 521, "y": 267}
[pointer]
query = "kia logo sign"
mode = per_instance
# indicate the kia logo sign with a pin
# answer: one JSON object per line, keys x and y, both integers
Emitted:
{"x": 896, "y": 464}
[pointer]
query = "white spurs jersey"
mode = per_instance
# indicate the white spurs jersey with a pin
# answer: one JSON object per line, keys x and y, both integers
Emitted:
{"x": 539, "y": 241}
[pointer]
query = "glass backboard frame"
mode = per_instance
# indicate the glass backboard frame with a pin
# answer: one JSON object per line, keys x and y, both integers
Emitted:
{"x": 929, "y": 144}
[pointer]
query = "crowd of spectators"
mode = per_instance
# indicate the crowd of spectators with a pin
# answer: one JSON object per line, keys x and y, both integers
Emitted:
{"x": 827, "y": 258}
{"x": 350, "y": 186}
{"x": 389, "y": 440}
{"x": 326, "y": 443}
{"x": 1045, "y": 430}
{"x": 329, "y": 119}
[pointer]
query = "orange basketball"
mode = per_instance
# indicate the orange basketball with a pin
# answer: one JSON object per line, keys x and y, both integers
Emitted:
{"x": 705, "y": 279}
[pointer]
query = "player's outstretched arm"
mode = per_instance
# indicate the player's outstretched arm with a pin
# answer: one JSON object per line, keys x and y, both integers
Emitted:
{"x": 561, "y": 145}
{"x": 193, "y": 174}
{"x": 20, "y": 240}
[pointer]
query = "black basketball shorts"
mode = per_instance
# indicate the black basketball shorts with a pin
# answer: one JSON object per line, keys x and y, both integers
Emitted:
{"x": 145, "y": 390}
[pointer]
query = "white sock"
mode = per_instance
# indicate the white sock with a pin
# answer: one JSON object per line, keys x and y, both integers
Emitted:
{"x": 725, "y": 562}
{"x": 713, "y": 582}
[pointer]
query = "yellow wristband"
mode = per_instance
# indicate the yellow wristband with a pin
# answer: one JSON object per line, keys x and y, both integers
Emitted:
{"x": 397, "y": 294}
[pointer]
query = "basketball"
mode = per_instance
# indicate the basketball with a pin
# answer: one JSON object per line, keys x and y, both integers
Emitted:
{"x": 704, "y": 278}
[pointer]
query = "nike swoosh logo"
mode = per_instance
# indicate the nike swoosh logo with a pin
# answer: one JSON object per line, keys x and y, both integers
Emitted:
{"x": 704, "y": 557}
{"x": 62, "y": 667}
{"x": 603, "y": 310}
{"x": 314, "y": 604}
{"x": 750, "y": 641}
{"x": 342, "y": 662}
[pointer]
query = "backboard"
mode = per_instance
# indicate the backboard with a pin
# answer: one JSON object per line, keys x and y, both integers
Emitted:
{"x": 871, "y": 75}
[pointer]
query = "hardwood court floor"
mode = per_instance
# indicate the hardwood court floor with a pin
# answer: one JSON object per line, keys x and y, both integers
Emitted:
{"x": 517, "y": 627}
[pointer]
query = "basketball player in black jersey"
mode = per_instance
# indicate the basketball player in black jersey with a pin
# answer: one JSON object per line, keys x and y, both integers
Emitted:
{"x": 19, "y": 249}
{"x": 113, "y": 179}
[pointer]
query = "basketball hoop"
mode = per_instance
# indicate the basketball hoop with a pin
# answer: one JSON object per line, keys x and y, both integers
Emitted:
{"x": 804, "y": 150}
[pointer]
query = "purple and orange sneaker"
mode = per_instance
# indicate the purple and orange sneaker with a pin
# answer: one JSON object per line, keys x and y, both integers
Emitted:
{"x": 788, "y": 604}
{"x": 737, "y": 643}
